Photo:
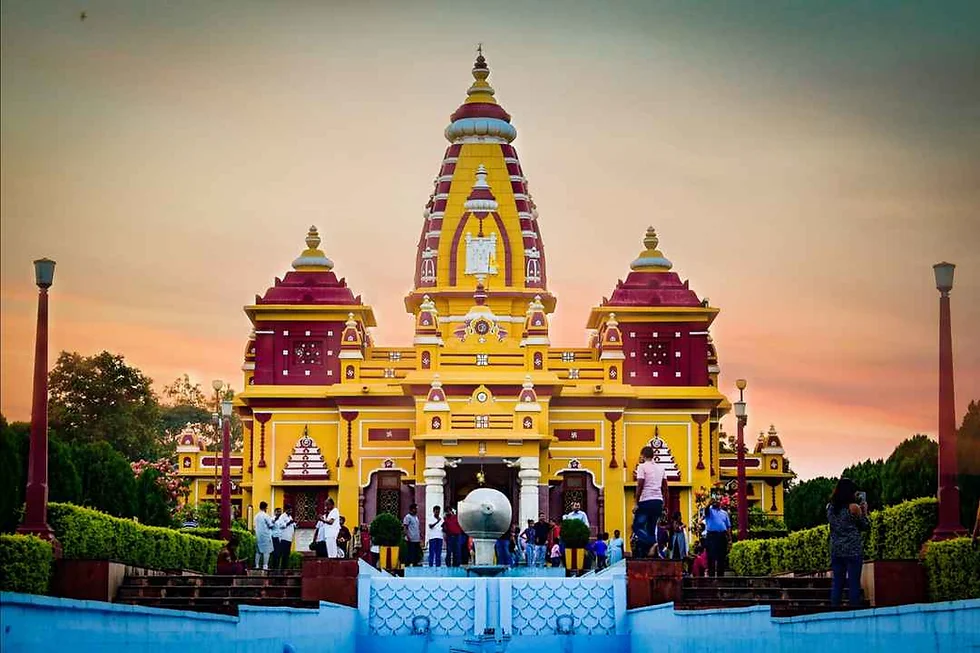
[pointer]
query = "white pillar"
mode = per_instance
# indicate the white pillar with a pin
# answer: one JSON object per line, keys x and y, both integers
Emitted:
{"x": 529, "y": 477}
{"x": 435, "y": 479}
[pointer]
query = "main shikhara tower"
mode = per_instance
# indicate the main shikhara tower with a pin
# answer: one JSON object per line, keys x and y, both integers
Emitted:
{"x": 481, "y": 396}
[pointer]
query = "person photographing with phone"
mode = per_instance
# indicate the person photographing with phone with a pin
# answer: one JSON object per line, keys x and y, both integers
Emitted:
{"x": 847, "y": 514}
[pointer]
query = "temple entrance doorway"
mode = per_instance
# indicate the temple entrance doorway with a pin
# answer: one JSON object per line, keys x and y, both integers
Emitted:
{"x": 468, "y": 476}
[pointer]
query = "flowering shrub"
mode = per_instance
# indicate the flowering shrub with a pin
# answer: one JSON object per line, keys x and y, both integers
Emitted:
{"x": 174, "y": 487}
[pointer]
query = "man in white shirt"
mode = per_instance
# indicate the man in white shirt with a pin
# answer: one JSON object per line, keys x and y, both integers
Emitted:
{"x": 263, "y": 537}
{"x": 276, "y": 530}
{"x": 413, "y": 536}
{"x": 577, "y": 513}
{"x": 651, "y": 494}
{"x": 433, "y": 535}
{"x": 332, "y": 529}
{"x": 287, "y": 528}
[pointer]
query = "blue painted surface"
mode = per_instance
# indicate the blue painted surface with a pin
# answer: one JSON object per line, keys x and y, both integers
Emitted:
{"x": 36, "y": 623}
{"x": 935, "y": 627}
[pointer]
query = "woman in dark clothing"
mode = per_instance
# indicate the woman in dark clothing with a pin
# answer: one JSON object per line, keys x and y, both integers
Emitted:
{"x": 847, "y": 515}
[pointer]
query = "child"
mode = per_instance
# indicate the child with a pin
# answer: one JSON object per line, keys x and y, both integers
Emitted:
{"x": 700, "y": 564}
{"x": 600, "y": 549}
{"x": 555, "y": 555}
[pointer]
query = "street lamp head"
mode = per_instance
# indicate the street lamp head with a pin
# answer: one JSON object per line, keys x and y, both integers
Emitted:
{"x": 44, "y": 272}
{"x": 226, "y": 408}
{"x": 944, "y": 276}
{"x": 741, "y": 383}
{"x": 217, "y": 384}
{"x": 739, "y": 409}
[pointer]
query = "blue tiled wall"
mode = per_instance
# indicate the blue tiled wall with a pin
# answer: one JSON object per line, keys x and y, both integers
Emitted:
{"x": 924, "y": 628}
{"x": 35, "y": 624}
{"x": 521, "y": 611}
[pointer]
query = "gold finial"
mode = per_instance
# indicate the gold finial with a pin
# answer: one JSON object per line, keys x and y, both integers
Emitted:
{"x": 651, "y": 258}
{"x": 312, "y": 258}
{"x": 313, "y": 238}
{"x": 650, "y": 241}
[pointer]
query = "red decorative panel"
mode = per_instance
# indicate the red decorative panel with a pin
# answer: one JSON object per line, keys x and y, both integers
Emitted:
{"x": 209, "y": 461}
{"x": 375, "y": 435}
{"x": 575, "y": 435}
{"x": 732, "y": 463}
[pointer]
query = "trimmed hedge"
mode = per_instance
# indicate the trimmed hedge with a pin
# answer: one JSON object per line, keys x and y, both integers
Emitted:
{"x": 87, "y": 534}
{"x": 897, "y": 533}
{"x": 953, "y": 568}
{"x": 246, "y": 544}
{"x": 27, "y": 563}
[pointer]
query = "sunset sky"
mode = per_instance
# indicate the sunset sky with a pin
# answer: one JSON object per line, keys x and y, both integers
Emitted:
{"x": 805, "y": 167}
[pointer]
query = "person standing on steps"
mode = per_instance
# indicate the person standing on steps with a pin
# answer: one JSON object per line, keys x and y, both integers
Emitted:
{"x": 454, "y": 539}
{"x": 847, "y": 514}
{"x": 433, "y": 536}
{"x": 617, "y": 548}
{"x": 413, "y": 536}
{"x": 651, "y": 495}
{"x": 287, "y": 527}
{"x": 332, "y": 530}
{"x": 263, "y": 537}
{"x": 718, "y": 535}
{"x": 276, "y": 530}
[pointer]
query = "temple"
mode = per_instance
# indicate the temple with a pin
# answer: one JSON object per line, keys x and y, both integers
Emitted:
{"x": 481, "y": 397}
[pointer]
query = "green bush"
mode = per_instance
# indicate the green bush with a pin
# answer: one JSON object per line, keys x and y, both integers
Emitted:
{"x": 386, "y": 530}
{"x": 27, "y": 562}
{"x": 897, "y": 533}
{"x": 574, "y": 534}
{"x": 953, "y": 568}
{"x": 246, "y": 540}
{"x": 87, "y": 534}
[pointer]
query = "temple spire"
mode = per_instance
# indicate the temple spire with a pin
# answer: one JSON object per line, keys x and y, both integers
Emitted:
{"x": 651, "y": 259}
{"x": 313, "y": 259}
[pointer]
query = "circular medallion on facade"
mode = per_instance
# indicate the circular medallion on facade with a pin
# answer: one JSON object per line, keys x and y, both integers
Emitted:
{"x": 482, "y": 327}
{"x": 306, "y": 441}
{"x": 481, "y": 396}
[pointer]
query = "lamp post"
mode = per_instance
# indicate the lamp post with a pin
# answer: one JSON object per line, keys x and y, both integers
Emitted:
{"x": 217, "y": 385}
{"x": 742, "y": 417}
{"x": 36, "y": 512}
{"x": 226, "y": 469}
{"x": 948, "y": 525}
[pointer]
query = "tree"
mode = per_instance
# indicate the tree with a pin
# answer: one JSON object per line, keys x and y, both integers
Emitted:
{"x": 911, "y": 471}
{"x": 806, "y": 504}
{"x": 185, "y": 406}
{"x": 108, "y": 483}
{"x": 101, "y": 399}
{"x": 152, "y": 499}
{"x": 184, "y": 393}
{"x": 867, "y": 477}
{"x": 12, "y": 477}
{"x": 968, "y": 457}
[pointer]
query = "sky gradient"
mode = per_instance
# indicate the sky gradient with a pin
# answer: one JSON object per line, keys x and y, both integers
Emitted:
{"x": 804, "y": 167}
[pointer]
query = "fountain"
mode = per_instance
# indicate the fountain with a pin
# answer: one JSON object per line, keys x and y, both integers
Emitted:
{"x": 485, "y": 514}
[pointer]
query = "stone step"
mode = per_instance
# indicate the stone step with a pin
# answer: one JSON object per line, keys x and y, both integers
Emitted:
{"x": 236, "y": 593}
{"x": 778, "y": 608}
{"x": 758, "y": 581}
{"x": 214, "y": 581}
{"x": 761, "y": 593}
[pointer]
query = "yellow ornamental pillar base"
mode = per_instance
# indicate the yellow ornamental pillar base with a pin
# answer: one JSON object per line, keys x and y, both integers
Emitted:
{"x": 574, "y": 559}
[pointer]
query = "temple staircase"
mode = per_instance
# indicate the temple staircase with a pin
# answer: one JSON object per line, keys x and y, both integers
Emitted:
{"x": 216, "y": 594}
{"x": 787, "y": 595}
